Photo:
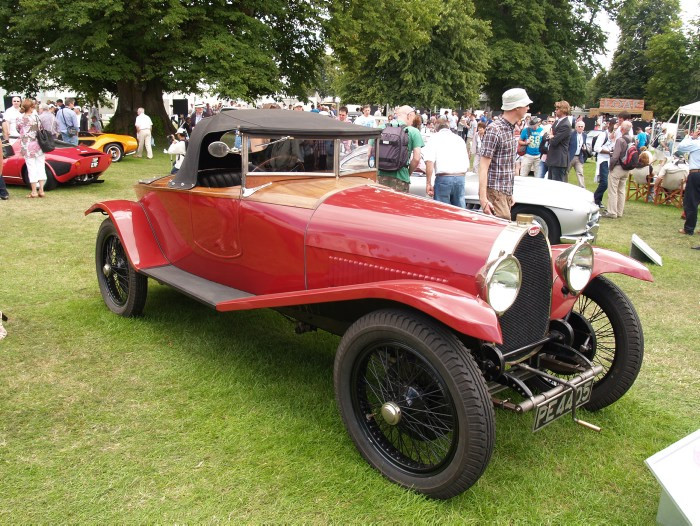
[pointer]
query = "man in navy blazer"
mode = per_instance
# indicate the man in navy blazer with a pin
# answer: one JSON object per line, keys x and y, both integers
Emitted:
{"x": 558, "y": 153}
{"x": 578, "y": 152}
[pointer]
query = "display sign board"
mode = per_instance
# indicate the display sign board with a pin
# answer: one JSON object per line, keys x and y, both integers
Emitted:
{"x": 618, "y": 105}
{"x": 677, "y": 468}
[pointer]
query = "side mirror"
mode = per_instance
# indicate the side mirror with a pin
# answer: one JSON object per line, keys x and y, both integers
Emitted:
{"x": 221, "y": 149}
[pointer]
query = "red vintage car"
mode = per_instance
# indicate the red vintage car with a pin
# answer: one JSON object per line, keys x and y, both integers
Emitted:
{"x": 444, "y": 313}
{"x": 64, "y": 165}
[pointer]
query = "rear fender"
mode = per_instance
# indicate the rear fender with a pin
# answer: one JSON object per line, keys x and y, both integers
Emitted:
{"x": 453, "y": 307}
{"x": 135, "y": 232}
{"x": 604, "y": 262}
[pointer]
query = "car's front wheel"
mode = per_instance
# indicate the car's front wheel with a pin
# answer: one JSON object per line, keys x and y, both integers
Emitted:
{"x": 414, "y": 402}
{"x": 608, "y": 332}
{"x": 115, "y": 150}
{"x": 543, "y": 217}
{"x": 123, "y": 289}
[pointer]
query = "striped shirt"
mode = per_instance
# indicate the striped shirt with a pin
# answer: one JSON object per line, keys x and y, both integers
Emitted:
{"x": 500, "y": 145}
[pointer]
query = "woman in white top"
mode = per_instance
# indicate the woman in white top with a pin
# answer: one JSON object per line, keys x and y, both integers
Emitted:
{"x": 28, "y": 126}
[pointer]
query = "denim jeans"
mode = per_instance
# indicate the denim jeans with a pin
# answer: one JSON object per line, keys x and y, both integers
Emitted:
{"x": 450, "y": 189}
{"x": 542, "y": 170}
{"x": 70, "y": 140}
{"x": 602, "y": 183}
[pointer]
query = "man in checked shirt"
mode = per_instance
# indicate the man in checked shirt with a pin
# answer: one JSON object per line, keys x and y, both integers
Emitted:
{"x": 498, "y": 153}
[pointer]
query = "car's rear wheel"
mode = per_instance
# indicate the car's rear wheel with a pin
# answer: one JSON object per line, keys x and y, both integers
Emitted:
{"x": 608, "y": 332}
{"x": 543, "y": 217}
{"x": 414, "y": 402}
{"x": 123, "y": 289}
{"x": 51, "y": 181}
{"x": 115, "y": 150}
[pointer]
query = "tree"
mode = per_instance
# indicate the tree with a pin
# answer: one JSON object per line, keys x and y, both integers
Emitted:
{"x": 138, "y": 49}
{"x": 544, "y": 46}
{"x": 639, "y": 21}
{"x": 671, "y": 87}
{"x": 420, "y": 52}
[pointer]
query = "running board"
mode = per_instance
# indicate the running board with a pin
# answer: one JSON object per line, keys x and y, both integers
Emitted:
{"x": 200, "y": 289}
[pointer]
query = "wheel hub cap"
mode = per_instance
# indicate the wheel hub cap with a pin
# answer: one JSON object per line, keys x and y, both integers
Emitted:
{"x": 106, "y": 270}
{"x": 391, "y": 413}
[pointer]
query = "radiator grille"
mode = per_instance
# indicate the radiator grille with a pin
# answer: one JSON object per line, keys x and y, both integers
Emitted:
{"x": 528, "y": 318}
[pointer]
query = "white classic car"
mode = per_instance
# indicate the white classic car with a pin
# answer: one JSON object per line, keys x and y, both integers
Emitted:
{"x": 565, "y": 211}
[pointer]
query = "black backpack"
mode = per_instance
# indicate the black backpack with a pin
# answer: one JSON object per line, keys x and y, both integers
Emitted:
{"x": 392, "y": 148}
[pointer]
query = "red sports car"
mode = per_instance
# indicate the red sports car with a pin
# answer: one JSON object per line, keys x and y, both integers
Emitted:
{"x": 64, "y": 165}
{"x": 444, "y": 313}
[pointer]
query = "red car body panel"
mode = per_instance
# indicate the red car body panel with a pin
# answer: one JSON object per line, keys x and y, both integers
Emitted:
{"x": 604, "y": 262}
{"x": 288, "y": 255}
{"x": 135, "y": 232}
{"x": 65, "y": 163}
{"x": 451, "y": 306}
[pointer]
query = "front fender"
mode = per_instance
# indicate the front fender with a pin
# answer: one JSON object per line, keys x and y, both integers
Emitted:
{"x": 604, "y": 262}
{"x": 455, "y": 308}
{"x": 135, "y": 232}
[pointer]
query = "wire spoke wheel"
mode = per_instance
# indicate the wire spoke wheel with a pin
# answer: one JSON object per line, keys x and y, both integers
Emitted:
{"x": 414, "y": 402}
{"x": 116, "y": 270}
{"x": 123, "y": 289}
{"x": 608, "y": 332}
{"x": 406, "y": 407}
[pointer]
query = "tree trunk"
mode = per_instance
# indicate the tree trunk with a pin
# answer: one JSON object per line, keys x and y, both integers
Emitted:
{"x": 147, "y": 95}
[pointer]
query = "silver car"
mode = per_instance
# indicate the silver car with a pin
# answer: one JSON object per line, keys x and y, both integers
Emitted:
{"x": 565, "y": 212}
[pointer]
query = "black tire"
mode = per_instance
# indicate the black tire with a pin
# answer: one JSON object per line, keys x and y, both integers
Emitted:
{"x": 544, "y": 217}
{"x": 443, "y": 438}
{"x": 604, "y": 319}
{"x": 115, "y": 150}
{"x": 123, "y": 289}
{"x": 51, "y": 182}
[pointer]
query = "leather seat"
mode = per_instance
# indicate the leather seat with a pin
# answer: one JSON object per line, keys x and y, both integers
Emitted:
{"x": 218, "y": 179}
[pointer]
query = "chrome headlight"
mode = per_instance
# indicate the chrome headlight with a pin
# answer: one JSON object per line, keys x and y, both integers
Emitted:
{"x": 575, "y": 266}
{"x": 499, "y": 283}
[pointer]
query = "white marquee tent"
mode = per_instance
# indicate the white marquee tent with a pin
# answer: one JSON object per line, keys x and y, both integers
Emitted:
{"x": 687, "y": 117}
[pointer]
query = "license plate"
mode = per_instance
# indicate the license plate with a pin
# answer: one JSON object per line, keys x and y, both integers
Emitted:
{"x": 95, "y": 161}
{"x": 562, "y": 404}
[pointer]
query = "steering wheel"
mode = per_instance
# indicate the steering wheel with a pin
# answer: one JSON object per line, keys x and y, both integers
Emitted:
{"x": 281, "y": 160}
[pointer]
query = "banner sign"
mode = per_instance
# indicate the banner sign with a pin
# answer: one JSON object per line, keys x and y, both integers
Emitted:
{"x": 615, "y": 105}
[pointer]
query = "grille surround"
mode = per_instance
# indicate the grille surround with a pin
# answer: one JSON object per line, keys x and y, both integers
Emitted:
{"x": 527, "y": 320}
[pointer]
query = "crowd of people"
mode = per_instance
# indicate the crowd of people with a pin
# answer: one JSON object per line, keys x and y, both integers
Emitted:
{"x": 514, "y": 143}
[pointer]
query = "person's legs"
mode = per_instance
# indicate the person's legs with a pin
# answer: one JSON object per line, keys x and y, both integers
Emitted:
{"x": 578, "y": 166}
{"x": 30, "y": 163}
{"x": 615, "y": 189}
{"x": 602, "y": 183}
{"x": 4, "y": 194}
{"x": 442, "y": 189}
{"x": 542, "y": 172}
{"x": 558, "y": 173}
{"x": 526, "y": 165}
{"x": 691, "y": 200}
{"x": 457, "y": 194}
{"x": 500, "y": 202}
{"x": 140, "y": 136}
{"x": 147, "y": 141}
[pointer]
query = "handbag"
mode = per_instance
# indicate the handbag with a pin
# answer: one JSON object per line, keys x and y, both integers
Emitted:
{"x": 44, "y": 138}
{"x": 71, "y": 131}
{"x": 522, "y": 148}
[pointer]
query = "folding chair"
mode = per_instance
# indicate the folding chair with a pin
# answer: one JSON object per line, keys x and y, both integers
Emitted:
{"x": 639, "y": 184}
{"x": 670, "y": 190}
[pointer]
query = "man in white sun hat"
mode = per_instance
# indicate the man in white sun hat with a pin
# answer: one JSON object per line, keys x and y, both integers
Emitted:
{"x": 498, "y": 152}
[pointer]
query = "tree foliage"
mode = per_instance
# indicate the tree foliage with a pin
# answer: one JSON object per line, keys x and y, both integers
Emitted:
{"x": 672, "y": 86}
{"x": 423, "y": 52}
{"x": 544, "y": 46}
{"x": 639, "y": 21}
{"x": 137, "y": 49}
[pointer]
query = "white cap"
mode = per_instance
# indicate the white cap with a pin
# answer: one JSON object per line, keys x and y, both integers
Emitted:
{"x": 515, "y": 98}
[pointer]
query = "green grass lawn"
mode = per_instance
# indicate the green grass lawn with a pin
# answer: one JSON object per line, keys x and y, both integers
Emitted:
{"x": 190, "y": 416}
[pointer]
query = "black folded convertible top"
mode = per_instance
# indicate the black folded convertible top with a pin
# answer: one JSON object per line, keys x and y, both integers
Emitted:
{"x": 299, "y": 124}
{"x": 259, "y": 123}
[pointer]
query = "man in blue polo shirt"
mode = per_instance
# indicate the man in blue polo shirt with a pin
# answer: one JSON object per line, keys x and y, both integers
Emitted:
{"x": 531, "y": 136}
